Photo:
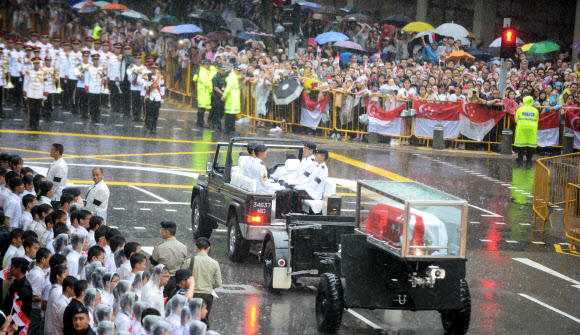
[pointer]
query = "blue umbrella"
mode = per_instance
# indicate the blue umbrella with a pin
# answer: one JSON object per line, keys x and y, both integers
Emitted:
{"x": 345, "y": 57}
{"x": 245, "y": 36}
{"x": 186, "y": 29}
{"x": 352, "y": 10}
{"x": 330, "y": 36}
{"x": 479, "y": 54}
{"x": 309, "y": 5}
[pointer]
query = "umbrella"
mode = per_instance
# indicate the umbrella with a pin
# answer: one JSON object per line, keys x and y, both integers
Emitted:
{"x": 89, "y": 9}
{"x": 497, "y": 43}
{"x": 166, "y": 20}
{"x": 134, "y": 15}
{"x": 348, "y": 45}
{"x": 359, "y": 18}
{"x": 259, "y": 33}
{"x": 345, "y": 57}
{"x": 207, "y": 16}
{"x": 457, "y": 55}
{"x": 452, "y": 30}
{"x": 101, "y": 3}
{"x": 242, "y": 24}
{"x": 526, "y": 47}
{"x": 397, "y": 20}
{"x": 575, "y": 46}
{"x": 186, "y": 29}
{"x": 480, "y": 54}
{"x": 245, "y": 36}
{"x": 114, "y": 6}
{"x": 537, "y": 57}
{"x": 330, "y": 36}
{"x": 417, "y": 27}
{"x": 331, "y": 10}
{"x": 317, "y": 16}
{"x": 167, "y": 29}
{"x": 219, "y": 36}
{"x": 351, "y": 10}
{"x": 80, "y": 5}
{"x": 309, "y": 5}
{"x": 544, "y": 47}
{"x": 383, "y": 56}
{"x": 288, "y": 91}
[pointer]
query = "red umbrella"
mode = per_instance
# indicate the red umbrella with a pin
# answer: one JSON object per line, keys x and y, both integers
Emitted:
{"x": 88, "y": 4}
{"x": 114, "y": 6}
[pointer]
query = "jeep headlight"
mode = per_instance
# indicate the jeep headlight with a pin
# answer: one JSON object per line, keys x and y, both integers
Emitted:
{"x": 435, "y": 272}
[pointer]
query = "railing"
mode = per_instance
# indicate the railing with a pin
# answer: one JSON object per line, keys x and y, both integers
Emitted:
{"x": 572, "y": 216}
{"x": 183, "y": 87}
{"x": 551, "y": 177}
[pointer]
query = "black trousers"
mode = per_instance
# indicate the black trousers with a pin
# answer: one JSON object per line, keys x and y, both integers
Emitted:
{"x": 283, "y": 202}
{"x": 216, "y": 113}
{"x": 528, "y": 151}
{"x": 82, "y": 102}
{"x": 297, "y": 196}
{"x": 17, "y": 90}
{"x": 208, "y": 298}
{"x": 95, "y": 106}
{"x": 230, "y": 123}
{"x": 125, "y": 101}
{"x": 34, "y": 108}
{"x": 49, "y": 106}
{"x": 2, "y": 101}
{"x": 200, "y": 116}
{"x": 70, "y": 97}
{"x": 115, "y": 97}
{"x": 136, "y": 104}
{"x": 152, "y": 114}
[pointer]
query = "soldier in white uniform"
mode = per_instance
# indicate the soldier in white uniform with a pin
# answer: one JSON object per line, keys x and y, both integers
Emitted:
{"x": 148, "y": 60}
{"x": 44, "y": 45}
{"x": 33, "y": 35}
{"x": 3, "y": 74}
{"x": 97, "y": 199}
{"x": 94, "y": 80}
{"x": 34, "y": 92}
{"x": 61, "y": 63}
{"x": 307, "y": 165}
{"x": 244, "y": 169}
{"x": 28, "y": 55}
{"x": 56, "y": 47}
{"x": 105, "y": 55}
{"x": 313, "y": 188}
{"x": 58, "y": 172}
{"x": 83, "y": 97}
{"x": 155, "y": 95}
{"x": 88, "y": 44}
{"x": 135, "y": 79}
{"x": 74, "y": 58}
{"x": 114, "y": 72}
{"x": 16, "y": 69}
{"x": 50, "y": 82}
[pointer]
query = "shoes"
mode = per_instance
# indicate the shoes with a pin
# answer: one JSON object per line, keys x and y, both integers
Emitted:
{"x": 333, "y": 136}
{"x": 337, "y": 137}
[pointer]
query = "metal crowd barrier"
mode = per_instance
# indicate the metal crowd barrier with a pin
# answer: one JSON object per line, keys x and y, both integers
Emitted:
{"x": 182, "y": 88}
{"x": 552, "y": 176}
{"x": 572, "y": 217}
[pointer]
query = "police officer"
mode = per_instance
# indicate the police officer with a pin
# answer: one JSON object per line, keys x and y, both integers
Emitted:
{"x": 217, "y": 106}
{"x": 94, "y": 80}
{"x": 155, "y": 95}
{"x": 136, "y": 104}
{"x": 313, "y": 187}
{"x": 126, "y": 61}
{"x": 170, "y": 253}
{"x": 232, "y": 98}
{"x": 204, "y": 90}
{"x": 75, "y": 57}
{"x": 527, "y": 118}
{"x": 34, "y": 92}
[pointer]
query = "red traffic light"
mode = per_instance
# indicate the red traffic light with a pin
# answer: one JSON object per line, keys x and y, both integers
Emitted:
{"x": 509, "y": 37}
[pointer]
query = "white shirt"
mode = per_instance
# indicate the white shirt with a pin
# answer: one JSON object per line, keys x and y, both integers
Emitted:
{"x": 74, "y": 58}
{"x": 80, "y": 230}
{"x": 58, "y": 175}
{"x": 138, "y": 77}
{"x": 307, "y": 166}
{"x": 34, "y": 84}
{"x": 107, "y": 298}
{"x": 43, "y": 200}
{"x": 5, "y": 265}
{"x": 36, "y": 278}
{"x": 25, "y": 220}
{"x": 175, "y": 324}
{"x": 98, "y": 199}
{"x": 13, "y": 209}
{"x": 153, "y": 295}
{"x": 40, "y": 229}
{"x": 94, "y": 80}
{"x": 122, "y": 322}
{"x": 157, "y": 93}
{"x": 316, "y": 182}
{"x": 114, "y": 67}
{"x": 4, "y": 194}
{"x": 60, "y": 304}
{"x": 124, "y": 270}
{"x": 51, "y": 313}
{"x": 259, "y": 173}
{"x": 72, "y": 263}
{"x": 91, "y": 238}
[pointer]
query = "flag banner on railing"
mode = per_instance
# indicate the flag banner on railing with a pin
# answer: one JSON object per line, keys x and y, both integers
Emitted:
{"x": 311, "y": 111}
{"x": 431, "y": 114}
{"x": 573, "y": 126}
{"x": 549, "y": 129}
{"x": 476, "y": 121}
{"x": 385, "y": 122}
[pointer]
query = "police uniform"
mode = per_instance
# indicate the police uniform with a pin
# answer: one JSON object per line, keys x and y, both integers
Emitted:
{"x": 114, "y": 73}
{"x": 526, "y": 135}
{"x": 154, "y": 86}
{"x": 307, "y": 166}
{"x": 70, "y": 93}
{"x": 94, "y": 78}
{"x": 97, "y": 199}
{"x": 35, "y": 93}
{"x": 125, "y": 96}
{"x": 217, "y": 106}
{"x": 16, "y": 69}
{"x": 136, "y": 104}
{"x": 50, "y": 77}
{"x": 83, "y": 96}
{"x": 204, "y": 90}
{"x": 232, "y": 98}
{"x": 170, "y": 253}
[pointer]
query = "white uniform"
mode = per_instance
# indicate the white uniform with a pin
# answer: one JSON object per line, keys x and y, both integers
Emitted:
{"x": 307, "y": 165}
{"x": 138, "y": 78}
{"x": 51, "y": 74}
{"x": 51, "y": 313}
{"x": 245, "y": 167}
{"x": 124, "y": 271}
{"x": 4, "y": 194}
{"x": 44, "y": 49}
{"x": 74, "y": 58}
{"x": 257, "y": 171}
{"x": 13, "y": 209}
{"x": 157, "y": 94}
{"x": 94, "y": 79}
{"x": 27, "y": 63}
{"x": 72, "y": 263}
{"x": 25, "y": 220}
{"x": 3, "y": 65}
{"x": 114, "y": 67}
{"x": 36, "y": 278}
{"x": 83, "y": 77}
{"x": 34, "y": 85}
{"x": 140, "y": 82}
{"x": 58, "y": 175}
{"x": 60, "y": 305}
{"x": 97, "y": 199}
{"x": 40, "y": 229}
{"x": 16, "y": 67}
{"x": 314, "y": 186}
{"x": 62, "y": 62}
{"x": 122, "y": 322}
{"x": 5, "y": 265}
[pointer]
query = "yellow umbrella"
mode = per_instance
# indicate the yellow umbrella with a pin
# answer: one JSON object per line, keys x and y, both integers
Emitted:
{"x": 417, "y": 27}
{"x": 527, "y": 47}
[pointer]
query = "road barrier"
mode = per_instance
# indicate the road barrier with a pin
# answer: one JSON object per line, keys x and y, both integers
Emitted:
{"x": 552, "y": 176}
{"x": 572, "y": 216}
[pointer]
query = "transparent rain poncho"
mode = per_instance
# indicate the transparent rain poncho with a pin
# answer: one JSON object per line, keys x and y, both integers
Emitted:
{"x": 59, "y": 243}
{"x": 152, "y": 293}
{"x": 76, "y": 241}
{"x": 196, "y": 327}
{"x": 209, "y": 332}
{"x": 173, "y": 312}
{"x": 185, "y": 318}
{"x": 66, "y": 251}
{"x": 123, "y": 333}
{"x": 160, "y": 328}
{"x": 119, "y": 257}
{"x": 138, "y": 309}
{"x": 195, "y": 305}
{"x": 123, "y": 318}
{"x": 103, "y": 313}
{"x": 121, "y": 288}
{"x": 90, "y": 301}
{"x": 107, "y": 293}
{"x": 89, "y": 269}
{"x": 106, "y": 328}
{"x": 73, "y": 257}
{"x": 82, "y": 261}
{"x": 141, "y": 278}
{"x": 97, "y": 278}
{"x": 148, "y": 322}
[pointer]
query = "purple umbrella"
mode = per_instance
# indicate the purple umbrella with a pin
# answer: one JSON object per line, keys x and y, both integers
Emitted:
{"x": 259, "y": 33}
{"x": 575, "y": 46}
{"x": 348, "y": 45}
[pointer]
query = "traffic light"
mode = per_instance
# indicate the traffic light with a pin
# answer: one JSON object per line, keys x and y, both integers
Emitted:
{"x": 287, "y": 20}
{"x": 296, "y": 18}
{"x": 508, "y": 43}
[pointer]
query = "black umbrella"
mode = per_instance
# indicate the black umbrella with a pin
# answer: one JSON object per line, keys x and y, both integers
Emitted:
{"x": 242, "y": 25}
{"x": 288, "y": 91}
{"x": 480, "y": 54}
{"x": 219, "y": 36}
{"x": 206, "y": 15}
{"x": 331, "y": 10}
{"x": 398, "y": 21}
{"x": 352, "y": 10}
{"x": 537, "y": 57}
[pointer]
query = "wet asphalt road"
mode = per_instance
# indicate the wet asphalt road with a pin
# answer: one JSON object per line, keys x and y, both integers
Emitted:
{"x": 150, "y": 179}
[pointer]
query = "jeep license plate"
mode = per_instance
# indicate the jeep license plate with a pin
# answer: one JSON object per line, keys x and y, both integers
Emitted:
{"x": 261, "y": 208}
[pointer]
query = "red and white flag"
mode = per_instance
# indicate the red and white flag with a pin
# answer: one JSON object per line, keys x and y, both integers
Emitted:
{"x": 336, "y": 60}
{"x": 549, "y": 129}
{"x": 573, "y": 125}
{"x": 431, "y": 114}
{"x": 5, "y": 274}
{"x": 385, "y": 122}
{"x": 431, "y": 37}
{"x": 476, "y": 121}
{"x": 19, "y": 317}
{"x": 311, "y": 111}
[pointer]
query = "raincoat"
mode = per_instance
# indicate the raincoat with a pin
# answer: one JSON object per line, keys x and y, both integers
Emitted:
{"x": 138, "y": 309}
{"x": 123, "y": 318}
{"x": 173, "y": 313}
{"x": 232, "y": 94}
{"x": 106, "y": 327}
{"x": 204, "y": 87}
{"x": 90, "y": 300}
{"x": 96, "y": 34}
{"x": 152, "y": 293}
{"x": 149, "y": 321}
{"x": 103, "y": 313}
{"x": 527, "y": 118}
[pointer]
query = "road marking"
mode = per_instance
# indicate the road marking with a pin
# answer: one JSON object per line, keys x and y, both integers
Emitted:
{"x": 176, "y": 110}
{"x": 535, "y": 242}
{"x": 511, "y": 187}
{"x": 170, "y": 210}
{"x": 368, "y": 167}
{"x": 145, "y": 209}
{"x": 180, "y": 120}
{"x": 355, "y": 314}
{"x": 149, "y": 193}
{"x": 162, "y": 119}
{"x": 525, "y": 224}
{"x": 485, "y": 210}
{"x": 99, "y": 124}
{"x": 486, "y": 240}
{"x": 114, "y": 227}
{"x": 79, "y": 123}
{"x": 177, "y": 128}
{"x": 549, "y": 307}
{"x": 119, "y": 125}
{"x": 141, "y": 228}
{"x": 18, "y": 120}
{"x": 510, "y": 241}
{"x": 138, "y": 126}
{"x": 165, "y": 202}
{"x": 506, "y": 185}
{"x": 500, "y": 223}
{"x": 119, "y": 208}
{"x": 547, "y": 270}
{"x": 221, "y": 230}
{"x": 475, "y": 222}
{"x": 491, "y": 215}
{"x": 58, "y": 122}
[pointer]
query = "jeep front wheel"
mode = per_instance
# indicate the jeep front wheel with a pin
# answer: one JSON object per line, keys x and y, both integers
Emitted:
{"x": 456, "y": 321}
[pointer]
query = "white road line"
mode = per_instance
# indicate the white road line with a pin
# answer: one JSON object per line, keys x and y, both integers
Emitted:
{"x": 176, "y": 110}
{"x": 105, "y": 115}
{"x": 143, "y": 228}
{"x": 511, "y": 187}
{"x": 222, "y": 230}
{"x": 145, "y": 209}
{"x": 99, "y": 124}
{"x": 119, "y": 208}
{"x": 510, "y": 241}
{"x": 114, "y": 227}
{"x": 177, "y": 128}
{"x": 165, "y": 202}
{"x": 355, "y": 314}
{"x": 485, "y": 210}
{"x": 506, "y": 184}
{"x": 18, "y": 120}
{"x": 491, "y": 215}
{"x": 58, "y": 121}
{"x": 119, "y": 125}
{"x": 149, "y": 193}
{"x": 180, "y": 120}
{"x": 138, "y": 126}
{"x": 79, "y": 123}
{"x": 525, "y": 224}
{"x": 475, "y": 222}
{"x": 549, "y": 307}
{"x": 500, "y": 223}
{"x": 486, "y": 240}
{"x": 170, "y": 210}
{"x": 547, "y": 270}
{"x": 535, "y": 242}
{"x": 162, "y": 119}
{"x": 67, "y": 113}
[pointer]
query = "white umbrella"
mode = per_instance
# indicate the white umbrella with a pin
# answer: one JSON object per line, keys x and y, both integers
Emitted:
{"x": 497, "y": 42}
{"x": 134, "y": 14}
{"x": 80, "y": 5}
{"x": 452, "y": 30}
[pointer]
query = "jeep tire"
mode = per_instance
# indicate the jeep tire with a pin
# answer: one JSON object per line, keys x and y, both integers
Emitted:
{"x": 201, "y": 227}
{"x": 238, "y": 247}
{"x": 329, "y": 303}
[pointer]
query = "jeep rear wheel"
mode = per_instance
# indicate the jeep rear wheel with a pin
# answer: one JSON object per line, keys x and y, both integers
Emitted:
{"x": 269, "y": 263}
{"x": 199, "y": 226}
{"x": 329, "y": 303}
{"x": 456, "y": 321}
{"x": 238, "y": 247}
